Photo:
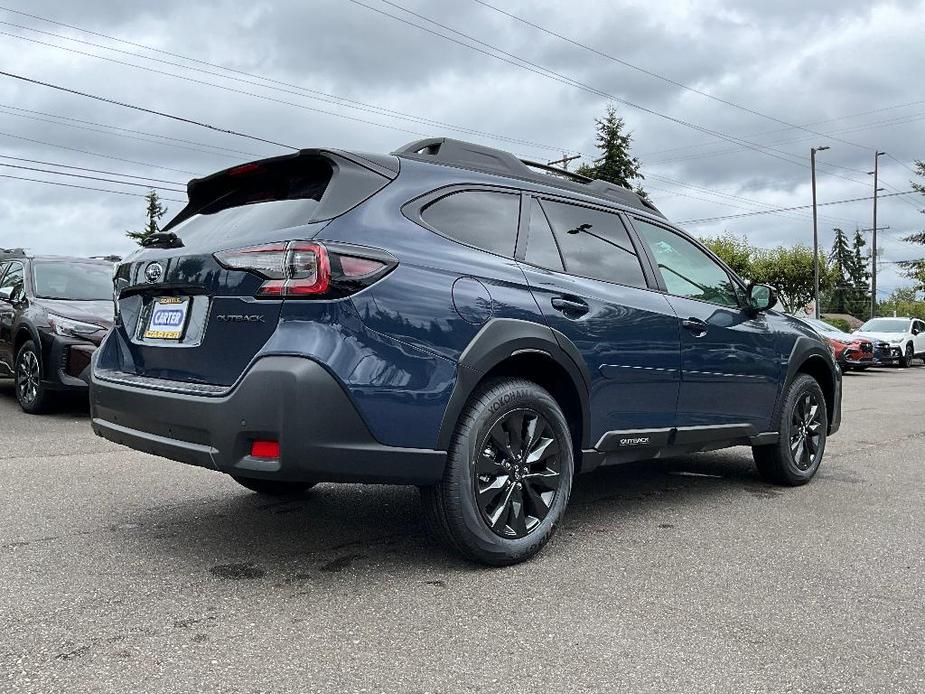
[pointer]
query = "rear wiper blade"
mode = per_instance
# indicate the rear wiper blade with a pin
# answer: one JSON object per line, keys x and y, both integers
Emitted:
{"x": 163, "y": 239}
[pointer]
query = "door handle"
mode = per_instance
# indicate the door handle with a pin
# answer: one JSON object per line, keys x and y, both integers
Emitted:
{"x": 696, "y": 326}
{"x": 570, "y": 307}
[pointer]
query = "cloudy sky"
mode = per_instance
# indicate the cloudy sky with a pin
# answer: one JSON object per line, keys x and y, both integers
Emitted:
{"x": 712, "y": 92}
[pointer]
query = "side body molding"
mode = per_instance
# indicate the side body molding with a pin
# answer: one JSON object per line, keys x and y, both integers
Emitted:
{"x": 499, "y": 339}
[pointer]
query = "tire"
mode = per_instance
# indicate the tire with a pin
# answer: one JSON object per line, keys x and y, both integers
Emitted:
{"x": 30, "y": 393}
{"x": 494, "y": 506}
{"x": 276, "y": 488}
{"x": 786, "y": 462}
{"x": 906, "y": 359}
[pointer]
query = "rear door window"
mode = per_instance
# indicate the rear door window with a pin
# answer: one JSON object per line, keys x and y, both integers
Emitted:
{"x": 594, "y": 244}
{"x": 481, "y": 218}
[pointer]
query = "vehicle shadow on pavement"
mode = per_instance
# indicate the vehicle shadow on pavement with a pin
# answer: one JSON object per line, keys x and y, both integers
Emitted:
{"x": 64, "y": 404}
{"x": 339, "y": 529}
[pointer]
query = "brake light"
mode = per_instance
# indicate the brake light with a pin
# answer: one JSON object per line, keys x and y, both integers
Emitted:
{"x": 306, "y": 269}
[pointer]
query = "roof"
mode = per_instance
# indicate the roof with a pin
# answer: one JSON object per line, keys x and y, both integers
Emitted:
{"x": 467, "y": 155}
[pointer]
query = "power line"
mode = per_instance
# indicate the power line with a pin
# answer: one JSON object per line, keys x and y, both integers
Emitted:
{"x": 558, "y": 77}
{"x": 904, "y": 165}
{"x": 661, "y": 77}
{"x": 789, "y": 209}
{"x": 91, "y": 178}
{"x": 72, "y": 185}
{"x": 83, "y": 168}
{"x": 21, "y": 113}
{"x": 264, "y": 82}
{"x": 95, "y": 154}
{"x": 783, "y": 130}
{"x": 123, "y": 104}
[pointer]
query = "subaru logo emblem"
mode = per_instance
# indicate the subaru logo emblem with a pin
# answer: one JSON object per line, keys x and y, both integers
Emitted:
{"x": 153, "y": 272}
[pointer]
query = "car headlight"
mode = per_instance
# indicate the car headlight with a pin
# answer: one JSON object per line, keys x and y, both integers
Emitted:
{"x": 68, "y": 327}
{"x": 896, "y": 342}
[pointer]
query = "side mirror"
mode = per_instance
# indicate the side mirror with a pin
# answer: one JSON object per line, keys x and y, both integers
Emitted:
{"x": 6, "y": 293}
{"x": 915, "y": 331}
{"x": 761, "y": 297}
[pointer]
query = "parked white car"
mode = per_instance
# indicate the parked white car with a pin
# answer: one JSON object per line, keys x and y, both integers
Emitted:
{"x": 904, "y": 338}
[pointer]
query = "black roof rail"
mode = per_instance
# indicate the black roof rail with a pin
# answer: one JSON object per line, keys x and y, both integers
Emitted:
{"x": 468, "y": 155}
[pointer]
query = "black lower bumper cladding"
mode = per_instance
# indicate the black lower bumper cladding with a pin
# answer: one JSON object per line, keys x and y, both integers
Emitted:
{"x": 288, "y": 399}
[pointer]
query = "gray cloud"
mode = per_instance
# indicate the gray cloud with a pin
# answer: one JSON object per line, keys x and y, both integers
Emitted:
{"x": 799, "y": 62}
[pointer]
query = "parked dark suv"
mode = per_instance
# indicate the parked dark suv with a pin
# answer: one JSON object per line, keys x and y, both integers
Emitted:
{"x": 54, "y": 311}
{"x": 452, "y": 317}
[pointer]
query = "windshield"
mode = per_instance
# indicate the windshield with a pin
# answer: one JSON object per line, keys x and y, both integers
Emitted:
{"x": 73, "y": 281}
{"x": 886, "y": 325}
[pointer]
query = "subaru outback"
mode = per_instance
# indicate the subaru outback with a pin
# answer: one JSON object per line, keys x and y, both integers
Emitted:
{"x": 452, "y": 317}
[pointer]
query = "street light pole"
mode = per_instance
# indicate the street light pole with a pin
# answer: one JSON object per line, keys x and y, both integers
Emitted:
{"x": 873, "y": 245}
{"x": 812, "y": 158}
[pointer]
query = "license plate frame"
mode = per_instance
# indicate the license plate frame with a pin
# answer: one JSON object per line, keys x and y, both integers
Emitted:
{"x": 167, "y": 318}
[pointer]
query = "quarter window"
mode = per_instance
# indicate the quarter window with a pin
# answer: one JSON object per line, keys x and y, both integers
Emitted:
{"x": 687, "y": 270}
{"x": 484, "y": 219}
{"x": 541, "y": 246}
{"x": 594, "y": 244}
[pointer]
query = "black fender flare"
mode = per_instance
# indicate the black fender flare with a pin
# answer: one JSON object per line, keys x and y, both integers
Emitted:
{"x": 498, "y": 340}
{"x": 804, "y": 349}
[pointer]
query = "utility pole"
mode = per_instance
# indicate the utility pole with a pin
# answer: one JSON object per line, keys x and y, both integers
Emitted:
{"x": 873, "y": 244}
{"x": 812, "y": 158}
{"x": 564, "y": 161}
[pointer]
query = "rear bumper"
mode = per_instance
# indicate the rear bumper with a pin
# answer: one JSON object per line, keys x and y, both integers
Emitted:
{"x": 290, "y": 399}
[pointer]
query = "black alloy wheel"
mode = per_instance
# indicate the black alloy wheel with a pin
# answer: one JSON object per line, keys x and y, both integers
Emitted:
{"x": 517, "y": 473}
{"x": 29, "y": 390}
{"x": 803, "y": 425}
{"x": 806, "y": 430}
{"x": 508, "y": 474}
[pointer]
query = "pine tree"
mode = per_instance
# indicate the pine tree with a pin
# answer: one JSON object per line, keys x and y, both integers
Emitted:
{"x": 858, "y": 303}
{"x": 842, "y": 259}
{"x": 915, "y": 269}
{"x": 616, "y": 165}
{"x": 155, "y": 210}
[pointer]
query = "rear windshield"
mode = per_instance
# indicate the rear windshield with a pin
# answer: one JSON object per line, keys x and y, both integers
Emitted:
{"x": 886, "y": 325}
{"x": 277, "y": 195}
{"x": 73, "y": 281}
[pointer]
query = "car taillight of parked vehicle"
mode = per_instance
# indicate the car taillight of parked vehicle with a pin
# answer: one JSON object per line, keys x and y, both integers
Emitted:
{"x": 308, "y": 269}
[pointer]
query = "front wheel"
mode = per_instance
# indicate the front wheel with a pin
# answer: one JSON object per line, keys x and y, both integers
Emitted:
{"x": 906, "y": 359}
{"x": 803, "y": 425}
{"x": 508, "y": 475}
{"x": 30, "y": 392}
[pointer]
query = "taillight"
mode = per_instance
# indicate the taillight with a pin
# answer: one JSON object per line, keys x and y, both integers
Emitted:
{"x": 309, "y": 270}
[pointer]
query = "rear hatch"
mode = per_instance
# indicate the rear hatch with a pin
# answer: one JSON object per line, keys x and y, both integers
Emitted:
{"x": 187, "y": 314}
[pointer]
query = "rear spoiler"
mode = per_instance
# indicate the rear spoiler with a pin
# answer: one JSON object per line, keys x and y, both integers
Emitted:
{"x": 358, "y": 176}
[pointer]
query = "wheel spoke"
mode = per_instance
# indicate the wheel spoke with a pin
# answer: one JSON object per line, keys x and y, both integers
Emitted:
{"x": 518, "y": 518}
{"x": 539, "y": 500}
{"x": 502, "y": 510}
{"x": 544, "y": 448}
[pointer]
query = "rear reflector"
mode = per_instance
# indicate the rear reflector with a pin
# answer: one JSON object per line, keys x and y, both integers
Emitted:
{"x": 265, "y": 449}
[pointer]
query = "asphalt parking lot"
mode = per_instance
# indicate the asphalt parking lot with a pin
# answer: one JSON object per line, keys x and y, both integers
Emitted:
{"x": 121, "y": 572}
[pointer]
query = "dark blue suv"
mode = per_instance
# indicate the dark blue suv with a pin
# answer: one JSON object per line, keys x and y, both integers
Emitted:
{"x": 452, "y": 317}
